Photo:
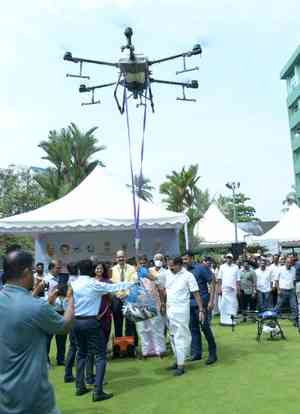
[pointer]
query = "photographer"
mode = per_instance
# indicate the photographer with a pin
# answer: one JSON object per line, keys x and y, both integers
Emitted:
{"x": 24, "y": 386}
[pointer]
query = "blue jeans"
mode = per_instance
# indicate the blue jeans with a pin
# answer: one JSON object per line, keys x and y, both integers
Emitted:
{"x": 90, "y": 340}
{"x": 288, "y": 295}
{"x": 196, "y": 345}
{"x": 263, "y": 300}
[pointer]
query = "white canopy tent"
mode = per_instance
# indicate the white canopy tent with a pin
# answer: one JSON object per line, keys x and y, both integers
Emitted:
{"x": 214, "y": 229}
{"x": 287, "y": 230}
{"x": 101, "y": 210}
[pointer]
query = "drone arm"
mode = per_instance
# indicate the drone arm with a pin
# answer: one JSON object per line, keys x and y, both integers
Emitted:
{"x": 152, "y": 62}
{"x": 84, "y": 88}
{"x": 193, "y": 84}
{"x": 68, "y": 56}
{"x": 197, "y": 50}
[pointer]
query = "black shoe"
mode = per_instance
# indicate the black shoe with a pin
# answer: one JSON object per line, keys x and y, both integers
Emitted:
{"x": 174, "y": 366}
{"x": 81, "y": 391}
{"x": 178, "y": 372}
{"x": 101, "y": 396}
{"x": 211, "y": 360}
{"x": 69, "y": 380}
{"x": 195, "y": 358}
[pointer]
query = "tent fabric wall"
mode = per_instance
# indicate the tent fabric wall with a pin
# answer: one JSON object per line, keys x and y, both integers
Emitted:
{"x": 103, "y": 245}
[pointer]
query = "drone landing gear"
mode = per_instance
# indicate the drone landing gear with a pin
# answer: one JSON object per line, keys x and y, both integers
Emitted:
{"x": 185, "y": 69}
{"x": 92, "y": 101}
{"x": 80, "y": 75}
{"x": 184, "y": 98}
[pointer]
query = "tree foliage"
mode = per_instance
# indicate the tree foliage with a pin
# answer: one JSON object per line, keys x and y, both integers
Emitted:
{"x": 70, "y": 152}
{"x": 143, "y": 188}
{"x": 182, "y": 194}
{"x": 244, "y": 211}
{"x": 19, "y": 193}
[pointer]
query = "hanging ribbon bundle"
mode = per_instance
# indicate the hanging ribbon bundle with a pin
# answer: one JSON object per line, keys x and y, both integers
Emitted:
{"x": 136, "y": 187}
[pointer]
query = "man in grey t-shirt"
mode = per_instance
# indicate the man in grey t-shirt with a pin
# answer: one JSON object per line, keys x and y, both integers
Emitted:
{"x": 25, "y": 323}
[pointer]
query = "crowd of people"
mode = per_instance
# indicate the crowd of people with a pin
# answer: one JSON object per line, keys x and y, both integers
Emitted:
{"x": 82, "y": 303}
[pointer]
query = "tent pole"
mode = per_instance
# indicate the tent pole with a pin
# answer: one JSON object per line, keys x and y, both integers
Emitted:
{"x": 186, "y": 236}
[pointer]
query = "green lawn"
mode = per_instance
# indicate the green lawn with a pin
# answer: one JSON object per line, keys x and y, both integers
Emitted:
{"x": 249, "y": 378}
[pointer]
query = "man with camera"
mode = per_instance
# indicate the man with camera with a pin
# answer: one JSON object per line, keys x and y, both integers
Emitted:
{"x": 24, "y": 386}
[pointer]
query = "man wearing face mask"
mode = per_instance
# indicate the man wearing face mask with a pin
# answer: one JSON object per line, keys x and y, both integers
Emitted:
{"x": 178, "y": 287}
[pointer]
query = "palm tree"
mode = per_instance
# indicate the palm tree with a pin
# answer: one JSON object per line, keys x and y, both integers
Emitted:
{"x": 70, "y": 152}
{"x": 180, "y": 188}
{"x": 182, "y": 193}
{"x": 143, "y": 188}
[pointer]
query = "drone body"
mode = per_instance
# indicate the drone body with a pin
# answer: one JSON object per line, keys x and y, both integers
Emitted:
{"x": 135, "y": 75}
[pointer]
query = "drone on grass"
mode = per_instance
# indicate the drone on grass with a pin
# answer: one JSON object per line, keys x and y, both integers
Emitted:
{"x": 135, "y": 75}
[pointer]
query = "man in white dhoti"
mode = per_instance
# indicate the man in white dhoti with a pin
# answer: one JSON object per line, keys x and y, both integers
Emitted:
{"x": 229, "y": 288}
{"x": 179, "y": 285}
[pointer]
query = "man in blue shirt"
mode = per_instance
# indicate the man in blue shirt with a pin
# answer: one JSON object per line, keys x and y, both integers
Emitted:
{"x": 205, "y": 279}
{"x": 25, "y": 323}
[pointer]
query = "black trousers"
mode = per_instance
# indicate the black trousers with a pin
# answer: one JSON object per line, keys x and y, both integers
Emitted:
{"x": 246, "y": 302}
{"x": 71, "y": 355}
{"x": 60, "y": 347}
{"x": 196, "y": 344}
{"x": 130, "y": 329}
{"x": 90, "y": 339}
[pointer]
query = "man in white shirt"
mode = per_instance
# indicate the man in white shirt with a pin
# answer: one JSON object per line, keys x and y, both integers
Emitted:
{"x": 90, "y": 339}
{"x": 285, "y": 283}
{"x": 263, "y": 286}
{"x": 229, "y": 288}
{"x": 179, "y": 285}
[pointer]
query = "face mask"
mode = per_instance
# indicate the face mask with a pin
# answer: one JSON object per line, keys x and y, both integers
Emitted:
{"x": 158, "y": 263}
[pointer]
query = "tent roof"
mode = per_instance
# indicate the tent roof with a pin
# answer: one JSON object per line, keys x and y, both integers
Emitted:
{"x": 215, "y": 229}
{"x": 98, "y": 203}
{"x": 288, "y": 228}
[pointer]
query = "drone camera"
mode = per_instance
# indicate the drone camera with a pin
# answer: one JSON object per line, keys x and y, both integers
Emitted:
{"x": 128, "y": 32}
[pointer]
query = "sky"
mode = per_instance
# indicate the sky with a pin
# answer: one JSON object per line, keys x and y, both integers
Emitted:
{"x": 237, "y": 130}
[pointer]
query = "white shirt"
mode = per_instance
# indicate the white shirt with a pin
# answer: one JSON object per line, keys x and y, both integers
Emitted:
{"x": 274, "y": 269}
{"x": 179, "y": 287}
{"x": 230, "y": 275}
{"x": 160, "y": 276}
{"x": 286, "y": 277}
{"x": 263, "y": 280}
{"x": 87, "y": 293}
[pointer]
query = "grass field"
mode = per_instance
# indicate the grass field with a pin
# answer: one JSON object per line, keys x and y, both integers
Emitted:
{"x": 249, "y": 378}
